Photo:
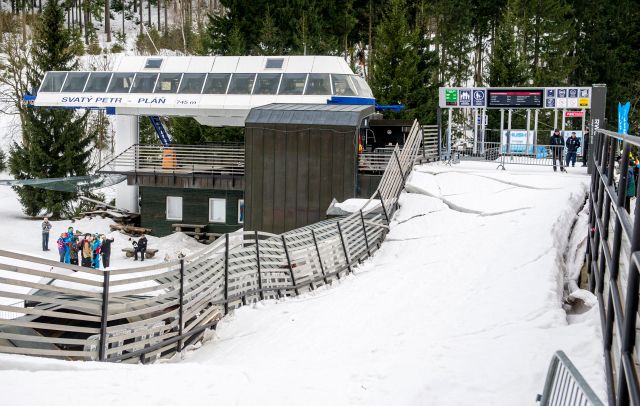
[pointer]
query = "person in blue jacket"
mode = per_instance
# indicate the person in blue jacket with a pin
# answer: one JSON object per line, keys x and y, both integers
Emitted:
{"x": 68, "y": 239}
{"x": 61, "y": 246}
{"x": 95, "y": 246}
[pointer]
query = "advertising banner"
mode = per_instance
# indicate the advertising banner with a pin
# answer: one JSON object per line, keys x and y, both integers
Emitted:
{"x": 623, "y": 117}
{"x": 518, "y": 142}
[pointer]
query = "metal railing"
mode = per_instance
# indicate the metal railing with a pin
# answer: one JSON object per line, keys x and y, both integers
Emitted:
{"x": 613, "y": 260}
{"x": 142, "y": 314}
{"x": 565, "y": 386}
{"x": 224, "y": 159}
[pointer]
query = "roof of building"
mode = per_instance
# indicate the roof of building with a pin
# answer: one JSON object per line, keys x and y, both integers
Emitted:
{"x": 309, "y": 114}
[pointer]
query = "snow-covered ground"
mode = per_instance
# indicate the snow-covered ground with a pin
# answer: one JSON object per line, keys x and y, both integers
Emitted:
{"x": 462, "y": 305}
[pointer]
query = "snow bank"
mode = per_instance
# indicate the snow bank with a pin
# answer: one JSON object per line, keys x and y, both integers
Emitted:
{"x": 458, "y": 307}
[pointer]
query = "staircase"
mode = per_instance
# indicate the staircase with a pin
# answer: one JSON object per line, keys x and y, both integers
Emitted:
{"x": 163, "y": 135}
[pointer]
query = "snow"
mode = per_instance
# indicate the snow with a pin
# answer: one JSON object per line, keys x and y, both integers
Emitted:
{"x": 463, "y": 304}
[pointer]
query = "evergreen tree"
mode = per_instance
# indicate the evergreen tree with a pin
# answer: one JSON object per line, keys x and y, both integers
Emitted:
{"x": 187, "y": 131}
{"x": 506, "y": 65}
{"x": 396, "y": 76}
{"x": 55, "y": 143}
{"x": 3, "y": 162}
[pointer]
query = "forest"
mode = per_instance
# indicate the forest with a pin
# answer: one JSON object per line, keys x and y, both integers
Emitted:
{"x": 405, "y": 49}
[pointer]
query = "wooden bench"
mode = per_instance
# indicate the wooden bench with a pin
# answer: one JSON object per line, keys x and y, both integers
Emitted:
{"x": 149, "y": 253}
{"x": 194, "y": 230}
{"x": 130, "y": 230}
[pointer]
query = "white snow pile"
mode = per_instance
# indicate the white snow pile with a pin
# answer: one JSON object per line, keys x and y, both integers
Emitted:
{"x": 461, "y": 305}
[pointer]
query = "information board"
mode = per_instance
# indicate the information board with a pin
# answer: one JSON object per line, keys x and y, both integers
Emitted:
{"x": 515, "y": 98}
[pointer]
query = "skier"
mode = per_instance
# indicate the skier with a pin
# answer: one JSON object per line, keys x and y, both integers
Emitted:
{"x": 557, "y": 145}
{"x": 106, "y": 250}
{"x": 46, "y": 227}
{"x": 95, "y": 247}
{"x": 73, "y": 251}
{"x": 86, "y": 251}
{"x": 572, "y": 144}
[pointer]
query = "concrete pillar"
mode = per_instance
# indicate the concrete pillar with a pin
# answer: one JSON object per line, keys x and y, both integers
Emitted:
{"x": 126, "y": 136}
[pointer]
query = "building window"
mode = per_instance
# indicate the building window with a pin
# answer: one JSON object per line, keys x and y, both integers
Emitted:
{"x": 174, "y": 208}
{"x": 153, "y": 63}
{"x": 240, "y": 211}
{"x": 217, "y": 210}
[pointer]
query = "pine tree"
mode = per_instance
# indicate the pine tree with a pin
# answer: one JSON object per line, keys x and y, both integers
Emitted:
{"x": 506, "y": 65}
{"x": 396, "y": 76}
{"x": 55, "y": 143}
{"x": 3, "y": 161}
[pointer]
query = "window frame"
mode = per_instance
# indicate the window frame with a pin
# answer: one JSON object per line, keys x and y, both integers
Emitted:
{"x": 167, "y": 208}
{"x": 77, "y": 74}
{"x": 240, "y": 75}
{"x": 224, "y": 202}
{"x": 155, "y": 88}
{"x": 213, "y": 74}
{"x": 304, "y": 85}
{"x": 144, "y": 75}
{"x": 123, "y": 75}
{"x": 257, "y": 78}
{"x": 182, "y": 81}
{"x": 64, "y": 78}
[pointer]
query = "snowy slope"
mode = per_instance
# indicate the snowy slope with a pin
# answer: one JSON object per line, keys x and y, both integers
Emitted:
{"x": 461, "y": 305}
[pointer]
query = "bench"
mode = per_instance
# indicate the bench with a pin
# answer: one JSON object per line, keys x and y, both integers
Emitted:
{"x": 194, "y": 230}
{"x": 149, "y": 253}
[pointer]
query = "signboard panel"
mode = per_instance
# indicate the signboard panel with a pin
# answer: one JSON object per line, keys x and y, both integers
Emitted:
{"x": 574, "y": 114}
{"x": 515, "y": 98}
{"x": 464, "y": 97}
{"x": 479, "y": 97}
{"x": 451, "y": 97}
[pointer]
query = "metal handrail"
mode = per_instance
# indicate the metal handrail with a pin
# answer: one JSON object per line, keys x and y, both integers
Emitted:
{"x": 565, "y": 386}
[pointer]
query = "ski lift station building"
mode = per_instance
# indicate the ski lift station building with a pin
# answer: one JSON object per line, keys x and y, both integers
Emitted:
{"x": 307, "y": 137}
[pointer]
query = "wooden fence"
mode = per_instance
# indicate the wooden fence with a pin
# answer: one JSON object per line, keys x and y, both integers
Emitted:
{"x": 141, "y": 314}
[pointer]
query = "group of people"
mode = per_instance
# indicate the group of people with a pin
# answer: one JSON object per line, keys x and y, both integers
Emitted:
{"x": 88, "y": 251}
{"x": 572, "y": 144}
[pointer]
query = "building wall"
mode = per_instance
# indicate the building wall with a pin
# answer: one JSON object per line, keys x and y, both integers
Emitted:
{"x": 292, "y": 172}
{"x": 195, "y": 208}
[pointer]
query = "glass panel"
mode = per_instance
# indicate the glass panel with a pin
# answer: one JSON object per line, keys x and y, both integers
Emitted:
{"x": 241, "y": 83}
{"x": 75, "y": 81}
{"x": 342, "y": 86}
{"x": 53, "y": 81}
{"x": 144, "y": 83}
{"x": 216, "y": 83}
{"x": 318, "y": 83}
{"x": 192, "y": 83}
{"x": 98, "y": 82}
{"x": 154, "y": 63}
{"x": 267, "y": 83}
{"x": 274, "y": 63}
{"x": 174, "y": 208}
{"x": 121, "y": 83}
{"x": 292, "y": 83}
{"x": 217, "y": 210}
{"x": 168, "y": 83}
{"x": 363, "y": 88}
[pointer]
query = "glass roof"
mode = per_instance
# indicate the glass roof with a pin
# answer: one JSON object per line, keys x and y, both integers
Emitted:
{"x": 206, "y": 83}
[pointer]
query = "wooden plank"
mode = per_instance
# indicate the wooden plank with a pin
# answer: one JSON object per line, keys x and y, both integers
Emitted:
{"x": 51, "y": 288}
{"x": 81, "y": 304}
{"x": 48, "y": 353}
{"x": 48, "y": 326}
{"x": 268, "y": 182}
{"x": 302, "y": 183}
{"x": 49, "y": 313}
{"x": 42, "y": 339}
{"x": 280, "y": 177}
{"x": 290, "y": 178}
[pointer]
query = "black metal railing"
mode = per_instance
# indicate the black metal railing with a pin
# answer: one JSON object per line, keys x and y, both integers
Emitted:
{"x": 613, "y": 260}
{"x": 565, "y": 386}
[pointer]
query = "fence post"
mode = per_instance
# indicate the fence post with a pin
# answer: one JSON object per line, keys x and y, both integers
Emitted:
{"x": 364, "y": 231}
{"x": 181, "y": 309}
{"x": 226, "y": 273}
{"x": 286, "y": 252}
{"x": 315, "y": 242}
{"x": 102, "y": 351}
{"x": 344, "y": 247}
{"x": 258, "y": 264}
{"x": 384, "y": 209}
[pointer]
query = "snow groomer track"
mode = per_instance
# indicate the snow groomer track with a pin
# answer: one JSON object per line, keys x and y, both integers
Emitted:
{"x": 142, "y": 314}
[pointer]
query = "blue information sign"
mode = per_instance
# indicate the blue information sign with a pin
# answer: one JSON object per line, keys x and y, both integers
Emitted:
{"x": 464, "y": 97}
{"x": 479, "y": 97}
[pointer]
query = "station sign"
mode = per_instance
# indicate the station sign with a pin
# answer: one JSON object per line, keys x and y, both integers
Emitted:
{"x": 515, "y": 98}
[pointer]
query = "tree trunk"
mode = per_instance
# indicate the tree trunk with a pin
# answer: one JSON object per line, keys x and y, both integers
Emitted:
{"x": 141, "y": 20}
{"x": 166, "y": 26}
{"x": 107, "y": 18}
{"x": 159, "y": 25}
{"x": 149, "y": 12}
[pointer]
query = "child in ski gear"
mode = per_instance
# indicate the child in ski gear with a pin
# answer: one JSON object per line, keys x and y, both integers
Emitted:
{"x": 95, "y": 247}
{"x": 573, "y": 143}
{"x": 61, "y": 246}
{"x": 557, "y": 145}
{"x": 106, "y": 250}
{"x": 67, "y": 243}
{"x": 73, "y": 251}
{"x": 86, "y": 251}
{"x": 141, "y": 247}
{"x": 46, "y": 227}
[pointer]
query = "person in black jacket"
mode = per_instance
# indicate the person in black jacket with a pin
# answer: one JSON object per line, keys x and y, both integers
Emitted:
{"x": 557, "y": 145}
{"x": 573, "y": 143}
{"x": 141, "y": 247}
{"x": 106, "y": 250}
{"x": 585, "y": 147}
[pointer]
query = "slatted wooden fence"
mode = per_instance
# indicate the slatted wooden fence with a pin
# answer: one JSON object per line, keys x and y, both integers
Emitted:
{"x": 142, "y": 314}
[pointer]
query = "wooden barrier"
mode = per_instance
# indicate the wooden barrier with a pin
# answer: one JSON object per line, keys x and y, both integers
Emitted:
{"x": 142, "y": 314}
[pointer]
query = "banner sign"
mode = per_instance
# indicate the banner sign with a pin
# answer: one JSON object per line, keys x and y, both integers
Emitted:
{"x": 518, "y": 141}
{"x": 623, "y": 117}
{"x": 574, "y": 113}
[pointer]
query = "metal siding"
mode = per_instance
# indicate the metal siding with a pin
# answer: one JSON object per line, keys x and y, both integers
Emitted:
{"x": 268, "y": 180}
{"x": 280, "y": 178}
{"x": 338, "y": 158}
{"x": 350, "y": 163}
{"x": 326, "y": 164}
{"x": 291, "y": 177}
{"x": 249, "y": 173}
{"x": 315, "y": 175}
{"x": 303, "y": 176}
